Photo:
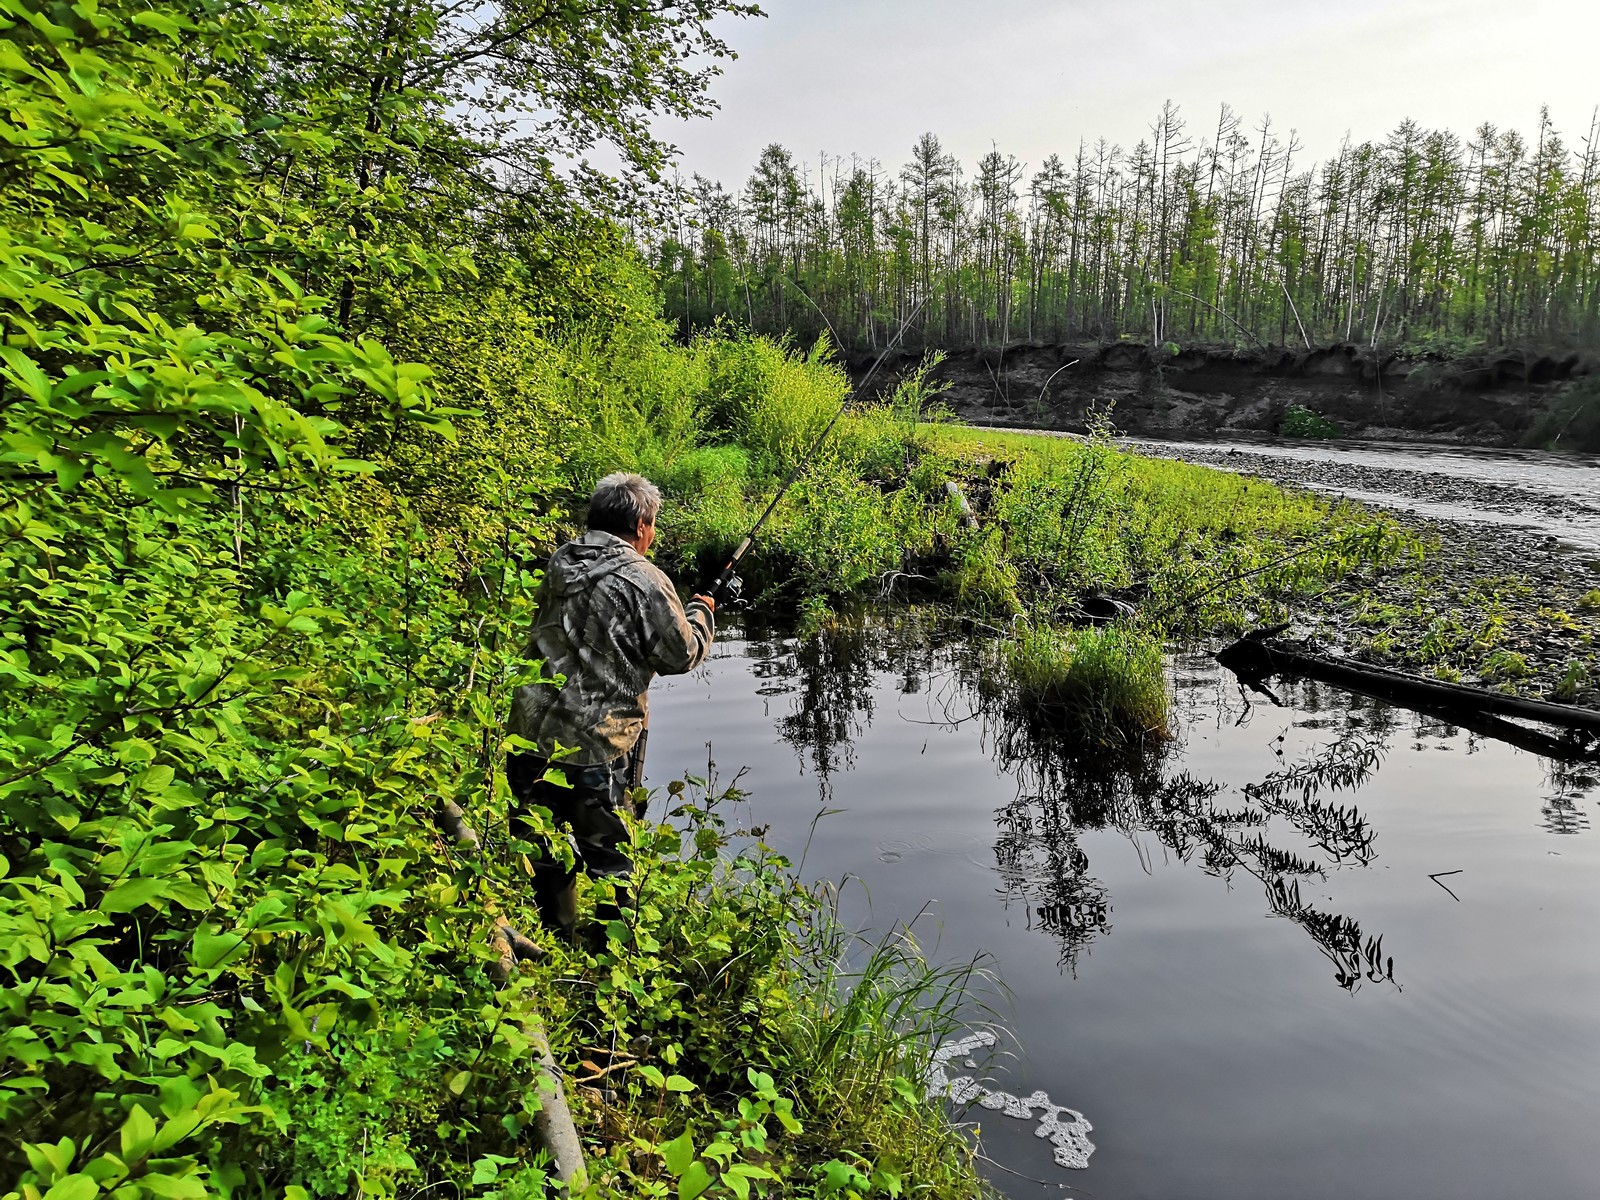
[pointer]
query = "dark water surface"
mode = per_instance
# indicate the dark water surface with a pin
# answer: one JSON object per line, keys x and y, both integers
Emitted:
{"x": 1225, "y": 1038}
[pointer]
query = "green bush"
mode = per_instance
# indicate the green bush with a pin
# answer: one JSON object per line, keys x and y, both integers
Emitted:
{"x": 1301, "y": 422}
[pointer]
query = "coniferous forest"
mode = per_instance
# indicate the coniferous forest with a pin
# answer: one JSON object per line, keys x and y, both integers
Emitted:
{"x": 1228, "y": 233}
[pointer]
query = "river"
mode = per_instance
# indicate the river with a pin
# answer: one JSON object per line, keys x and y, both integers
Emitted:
{"x": 1329, "y": 949}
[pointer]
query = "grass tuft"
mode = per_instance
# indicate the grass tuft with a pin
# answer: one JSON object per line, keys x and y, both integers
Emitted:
{"x": 1110, "y": 681}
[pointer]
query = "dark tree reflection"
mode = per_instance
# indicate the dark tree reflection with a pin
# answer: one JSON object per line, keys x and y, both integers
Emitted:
{"x": 1296, "y": 823}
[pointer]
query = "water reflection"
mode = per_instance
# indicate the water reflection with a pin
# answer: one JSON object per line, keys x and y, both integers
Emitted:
{"x": 1290, "y": 828}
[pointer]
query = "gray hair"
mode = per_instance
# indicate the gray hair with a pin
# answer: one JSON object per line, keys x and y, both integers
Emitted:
{"x": 621, "y": 501}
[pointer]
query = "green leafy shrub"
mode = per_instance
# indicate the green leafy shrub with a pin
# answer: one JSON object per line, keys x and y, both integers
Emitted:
{"x": 1301, "y": 422}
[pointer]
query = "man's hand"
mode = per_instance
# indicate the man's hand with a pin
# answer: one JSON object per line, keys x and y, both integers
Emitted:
{"x": 707, "y": 601}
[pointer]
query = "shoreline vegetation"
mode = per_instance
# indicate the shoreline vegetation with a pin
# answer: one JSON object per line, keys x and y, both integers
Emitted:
{"x": 304, "y": 374}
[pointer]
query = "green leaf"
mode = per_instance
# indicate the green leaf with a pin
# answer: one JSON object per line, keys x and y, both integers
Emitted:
{"x": 25, "y": 373}
{"x": 134, "y": 894}
{"x": 458, "y": 1082}
{"x": 487, "y": 1168}
{"x": 212, "y": 948}
{"x": 73, "y": 1187}
{"x": 836, "y": 1176}
{"x": 677, "y": 1083}
{"x": 678, "y": 1154}
{"x": 694, "y": 1181}
{"x": 174, "y": 1187}
{"x": 138, "y": 1134}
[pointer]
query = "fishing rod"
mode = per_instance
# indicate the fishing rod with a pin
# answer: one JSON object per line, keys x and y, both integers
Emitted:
{"x": 724, "y": 583}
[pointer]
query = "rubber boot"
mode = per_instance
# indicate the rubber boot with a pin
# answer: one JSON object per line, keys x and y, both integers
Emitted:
{"x": 557, "y": 899}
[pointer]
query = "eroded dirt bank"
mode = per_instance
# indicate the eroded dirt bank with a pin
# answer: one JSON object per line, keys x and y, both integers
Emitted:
{"x": 1489, "y": 399}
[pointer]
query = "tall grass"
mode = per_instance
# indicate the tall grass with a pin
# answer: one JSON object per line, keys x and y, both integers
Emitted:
{"x": 1109, "y": 682}
{"x": 871, "y": 1016}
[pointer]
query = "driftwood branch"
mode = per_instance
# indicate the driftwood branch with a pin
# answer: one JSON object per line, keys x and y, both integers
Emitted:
{"x": 1479, "y": 709}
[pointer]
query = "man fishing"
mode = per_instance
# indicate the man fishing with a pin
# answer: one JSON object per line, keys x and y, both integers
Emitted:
{"x": 609, "y": 621}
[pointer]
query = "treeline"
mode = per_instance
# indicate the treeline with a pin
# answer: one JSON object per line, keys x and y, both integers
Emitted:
{"x": 1230, "y": 235}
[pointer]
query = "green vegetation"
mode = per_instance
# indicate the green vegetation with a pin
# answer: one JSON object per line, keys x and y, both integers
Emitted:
{"x": 1301, "y": 422}
{"x": 1108, "y": 683}
{"x": 1574, "y": 677}
{"x": 1504, "y": 666}
{"x": 303, "y": 365}
{"x": 1426, "y": 239}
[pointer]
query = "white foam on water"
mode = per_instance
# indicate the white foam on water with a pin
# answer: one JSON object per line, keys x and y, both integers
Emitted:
{"x": 1066, "y": 1128}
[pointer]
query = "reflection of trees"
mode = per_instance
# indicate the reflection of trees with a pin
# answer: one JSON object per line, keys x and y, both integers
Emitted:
{"x": 1295, "y": 823}
{"x": 1066, "y": 787}
{"x": 1040, "y": 862}
{"x": 832, "y": 676}
{"x": 1569, "y": 783}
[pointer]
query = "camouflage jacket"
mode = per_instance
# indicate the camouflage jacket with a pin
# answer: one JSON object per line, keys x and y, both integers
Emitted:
{"x": 609, "y": 621}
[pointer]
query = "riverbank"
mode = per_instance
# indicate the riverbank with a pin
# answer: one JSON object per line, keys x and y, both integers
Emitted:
{"x": 1488, "y": 398}
{"x": 1494, "y": 601}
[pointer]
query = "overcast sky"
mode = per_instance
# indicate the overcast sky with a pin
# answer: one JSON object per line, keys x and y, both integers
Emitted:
{"x": 1034, "y": 76}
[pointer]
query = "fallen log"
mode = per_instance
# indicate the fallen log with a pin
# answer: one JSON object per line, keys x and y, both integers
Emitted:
{"x": 553, "y": 1127}
{"x": 1254, "y": 658}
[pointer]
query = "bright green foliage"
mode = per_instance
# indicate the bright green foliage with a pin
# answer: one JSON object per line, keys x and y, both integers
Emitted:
{"x": 1109, "y": 683}
{"x": 1301, "y": 422}
{"x": 228, "y": 717}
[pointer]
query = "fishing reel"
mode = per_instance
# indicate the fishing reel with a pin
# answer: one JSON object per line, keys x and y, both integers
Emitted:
{"x": 727, "y": 591}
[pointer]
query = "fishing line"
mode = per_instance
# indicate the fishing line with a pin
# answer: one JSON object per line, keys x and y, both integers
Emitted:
{"x": 728, "y": 572}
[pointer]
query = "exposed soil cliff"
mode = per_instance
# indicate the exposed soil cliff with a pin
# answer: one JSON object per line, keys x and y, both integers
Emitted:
{"x": 1489, "y": 399}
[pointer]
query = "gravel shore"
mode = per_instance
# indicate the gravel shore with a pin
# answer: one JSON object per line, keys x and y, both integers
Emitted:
{"x": 1496, "y": 602}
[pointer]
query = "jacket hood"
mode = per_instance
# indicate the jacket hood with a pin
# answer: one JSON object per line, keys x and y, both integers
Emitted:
{"x": 577, "y": 565}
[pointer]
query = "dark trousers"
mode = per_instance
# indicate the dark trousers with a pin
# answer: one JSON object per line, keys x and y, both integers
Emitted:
{"x": 591, "y": 809}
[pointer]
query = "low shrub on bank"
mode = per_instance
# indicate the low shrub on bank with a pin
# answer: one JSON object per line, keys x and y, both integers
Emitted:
{"x": 1302, "y": 422}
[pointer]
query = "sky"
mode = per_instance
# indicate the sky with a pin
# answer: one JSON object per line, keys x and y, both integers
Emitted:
{"x": 1033, "y": 77}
